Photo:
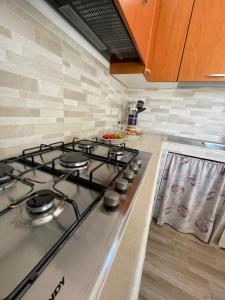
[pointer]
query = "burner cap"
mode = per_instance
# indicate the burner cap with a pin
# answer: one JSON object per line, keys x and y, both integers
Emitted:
{"x": 41, "y": 201}
{"x": 73, "y": 159}
{"x": 86, "y": 144}
{"x": 117, "y": 151}
{"x": 4, "y": 171}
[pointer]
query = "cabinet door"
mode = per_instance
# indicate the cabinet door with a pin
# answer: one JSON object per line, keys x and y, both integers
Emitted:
{"x": 204, "y": 53}
{"x": 143, "y": 25}
{"x": 156, "y": 8}
{"x": 137, "y": 15}
{"x": 128, "y": 10}
{"x": 168, "y": 39}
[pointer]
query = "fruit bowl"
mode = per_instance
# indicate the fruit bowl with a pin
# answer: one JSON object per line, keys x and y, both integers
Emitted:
{"x": 113, "y": 138}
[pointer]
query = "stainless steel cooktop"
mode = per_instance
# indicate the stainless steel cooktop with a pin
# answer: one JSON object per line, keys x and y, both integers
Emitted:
{"x": 58, "y": 236}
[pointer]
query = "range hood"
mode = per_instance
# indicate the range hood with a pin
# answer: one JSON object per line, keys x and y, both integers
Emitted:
{"x": 100, "y": 23}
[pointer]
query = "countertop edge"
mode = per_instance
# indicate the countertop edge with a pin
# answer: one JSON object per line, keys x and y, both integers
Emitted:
{"x": 141, "y": 257}
{"x": 96, "y": 294}
{"x": 133, "y": 260}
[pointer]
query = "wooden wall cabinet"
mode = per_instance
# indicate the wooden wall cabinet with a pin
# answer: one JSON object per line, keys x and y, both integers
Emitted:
{"x": 204, "y": 53}
{"x": 177, "y": 40}
{"x": 138, "y": 16}
{"x": 159, "y": 29}
{"x": 168, "y": 43}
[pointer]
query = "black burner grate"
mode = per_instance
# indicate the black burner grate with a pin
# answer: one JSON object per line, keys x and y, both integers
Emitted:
{"x": 44, "y": 198}
{"x": 5, "y": 172}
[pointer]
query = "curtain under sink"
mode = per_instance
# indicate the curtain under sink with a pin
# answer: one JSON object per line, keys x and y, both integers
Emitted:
{"x": 191, "y": 196}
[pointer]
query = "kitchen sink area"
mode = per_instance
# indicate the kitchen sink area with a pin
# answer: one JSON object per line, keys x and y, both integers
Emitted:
{"x": 194, "y": 142}
{"x": 214, "y": 146}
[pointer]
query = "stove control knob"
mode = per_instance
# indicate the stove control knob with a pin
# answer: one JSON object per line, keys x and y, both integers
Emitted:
{"x": 134, "y": 167}
{"x": 129, "y": 175}
{"x": 138, "y": 161}
{"x": 121, "y": 185}
{"x": 111, "y": 200}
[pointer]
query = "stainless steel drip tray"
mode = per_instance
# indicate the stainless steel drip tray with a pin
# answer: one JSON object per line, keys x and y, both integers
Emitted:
{"x": 42, "y": 225}
{"x": 103, "y": 175}
{"x": 13, "y": 189}
{"x": 83, "y": 263}
{"x": 103, "y": 150}
{"x": 24, "y": 243}
{"x": 46, "y": 157}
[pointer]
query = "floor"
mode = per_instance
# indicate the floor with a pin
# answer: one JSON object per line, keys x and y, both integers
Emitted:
{"x": 180, "y": 267}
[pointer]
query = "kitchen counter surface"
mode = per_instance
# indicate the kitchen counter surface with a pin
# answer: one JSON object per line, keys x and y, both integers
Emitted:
{"x": 91, "y": 249}
{"x": 124, "y": 277}
{"x": 191, "y": 147}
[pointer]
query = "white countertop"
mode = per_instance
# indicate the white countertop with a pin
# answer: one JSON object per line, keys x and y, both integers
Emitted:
{"x": 124, "y": 277}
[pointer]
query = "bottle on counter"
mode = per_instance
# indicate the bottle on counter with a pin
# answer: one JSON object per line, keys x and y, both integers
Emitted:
{"x": 134, "y": 110}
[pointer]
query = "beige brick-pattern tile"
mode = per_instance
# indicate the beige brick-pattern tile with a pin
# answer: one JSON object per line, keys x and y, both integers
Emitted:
{"x": 12, "y": 20}
{"x": 50, "y": 88}
{"x": 53, "y": 89}
{"x": 18, "y": 112}
{"x": 45, "y": 41}
{"x": 192, "y": 112}
{"x": 12, "y": 80}
{"x": 75, "y": 95}
{"x": 6, "y": 32}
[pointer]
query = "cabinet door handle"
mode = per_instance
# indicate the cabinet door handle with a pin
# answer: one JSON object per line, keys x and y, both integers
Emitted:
{"x": 148, "y": 72}
{"x": 215, "y": 75}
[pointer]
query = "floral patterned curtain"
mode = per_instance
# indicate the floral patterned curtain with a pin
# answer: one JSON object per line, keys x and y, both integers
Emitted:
{"x": 191, "y": 194}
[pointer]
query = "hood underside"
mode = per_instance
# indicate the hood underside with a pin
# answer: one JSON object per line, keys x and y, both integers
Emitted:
{"x": 101, "y": 24}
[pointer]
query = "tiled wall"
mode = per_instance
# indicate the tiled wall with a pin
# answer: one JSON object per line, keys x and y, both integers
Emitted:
{"x": 189, "y": 112}
{"x": 50, "y": 87}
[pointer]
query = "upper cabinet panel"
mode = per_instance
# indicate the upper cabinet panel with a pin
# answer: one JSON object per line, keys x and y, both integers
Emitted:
{"x": 138, "y": 16}
{"x": 128, "y": 9}
{"x": 168, "y": 39}
{"x": 204, "y": 54}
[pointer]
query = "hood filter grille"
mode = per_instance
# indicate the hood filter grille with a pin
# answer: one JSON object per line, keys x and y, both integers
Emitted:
{"x": 100, "y": 23}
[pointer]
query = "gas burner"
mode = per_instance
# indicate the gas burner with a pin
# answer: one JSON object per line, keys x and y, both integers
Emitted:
{"x": 5, "y": 171}
{"x": 116, "y": 153}
{"x": 41, "y": 202}
{"x": 76, "y": 160}
{"x": 42, "y": 208}
{"x": 86, "y": 146}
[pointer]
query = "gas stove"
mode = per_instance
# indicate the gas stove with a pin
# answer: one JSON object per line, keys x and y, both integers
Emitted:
{"x": 49, "y": 195}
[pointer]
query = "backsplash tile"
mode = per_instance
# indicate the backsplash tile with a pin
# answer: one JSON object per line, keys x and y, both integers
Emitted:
{"x": 193, "y": 112}
{"x": 5, "y": 32}
{"x": 12, "y": 80}
{"x": 50, "y": 87}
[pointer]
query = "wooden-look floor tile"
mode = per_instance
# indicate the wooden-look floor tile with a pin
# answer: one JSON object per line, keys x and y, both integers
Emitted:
{"x": 210, "y": 273}
{"x": 161, "y": 288}
{"x": 218, "y": 293}
{"x": 180, "y": 276}
{"x": 181, "y": 267}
